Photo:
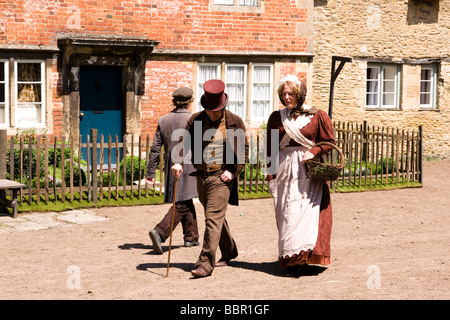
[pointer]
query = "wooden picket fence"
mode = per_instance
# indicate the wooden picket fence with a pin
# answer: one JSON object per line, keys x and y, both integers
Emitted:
{"x": 53, "y": 169}
{"x": 378, "y": 155}
{"x": 373, "y": 155}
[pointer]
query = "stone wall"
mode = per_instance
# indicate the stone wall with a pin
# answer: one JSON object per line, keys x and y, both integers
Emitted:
{"x": 407, "y": 33}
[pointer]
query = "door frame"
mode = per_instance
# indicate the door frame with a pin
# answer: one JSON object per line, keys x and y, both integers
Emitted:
{"x": 122, "y": 102}
{"x": 121, "y": 128}
{"x": 130, "y": 54}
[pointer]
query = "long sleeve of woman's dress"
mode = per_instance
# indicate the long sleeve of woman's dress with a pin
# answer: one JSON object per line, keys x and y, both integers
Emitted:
{"x": 324, "y": 133}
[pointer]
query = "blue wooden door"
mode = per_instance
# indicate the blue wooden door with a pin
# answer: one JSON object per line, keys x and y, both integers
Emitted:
{"x": 101, "y": 104}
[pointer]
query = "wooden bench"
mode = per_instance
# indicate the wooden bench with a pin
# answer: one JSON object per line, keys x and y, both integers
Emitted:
{"x": 14, "y": 186}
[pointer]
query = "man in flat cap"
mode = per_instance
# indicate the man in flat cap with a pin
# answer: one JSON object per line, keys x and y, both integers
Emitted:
{"x": 186, "y": 191}
{"x": 219, "y": 148}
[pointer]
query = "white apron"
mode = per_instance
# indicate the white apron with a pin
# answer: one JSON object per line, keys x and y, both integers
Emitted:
{"x": 296, "y": 197}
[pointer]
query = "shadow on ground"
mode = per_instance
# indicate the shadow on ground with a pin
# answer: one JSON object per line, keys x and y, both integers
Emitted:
{"x": 129, "y": 246}
{"x": 272, "y": 268}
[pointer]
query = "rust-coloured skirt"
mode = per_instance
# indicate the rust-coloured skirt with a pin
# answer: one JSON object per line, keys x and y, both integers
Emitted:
{"x": 320, "y": 255}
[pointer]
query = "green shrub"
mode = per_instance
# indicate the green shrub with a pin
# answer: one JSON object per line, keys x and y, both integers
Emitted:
{"x": 26, "y": 169}
{"x": 132, "y": 173}
{"x": 251, "y": 175}
{"x": 384, "y": 166}
{"x": 52, "y": 155}
{"x": 389, "y": 165}
{"x": 106, "y": 176}
{"x": 76, "y": 176}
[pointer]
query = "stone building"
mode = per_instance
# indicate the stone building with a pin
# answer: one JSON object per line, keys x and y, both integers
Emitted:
{"x": 70, "y": 65}
{"x": 400, "y": 70}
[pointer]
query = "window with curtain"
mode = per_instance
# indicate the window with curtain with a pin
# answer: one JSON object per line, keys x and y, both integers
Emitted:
{"x": 250, "y": 3}
{"x": 382, "y": 86}
{"x": 29, "y": 111}
{"x": 224, "y": 2}
{"x": 252, "y": 101}
{"x": 205, "y": 72}
{"x": 261, "y": 92}
{"x": 428, "y": 86}
{"x": 235, "y": 80}
{"x": 244, "y": 3}
{"x": 4, "y": 93}
{"x": 373, "y": 79}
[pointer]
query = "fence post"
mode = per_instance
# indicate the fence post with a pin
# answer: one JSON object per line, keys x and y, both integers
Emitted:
{"x": 3, "y": 142}
{"x": 94, "y": 165}
{"x": 420, "y": 154}
{"x": 364, "y": 146}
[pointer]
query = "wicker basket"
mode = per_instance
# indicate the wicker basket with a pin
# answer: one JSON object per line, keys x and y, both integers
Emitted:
{"x": 325, "y": 171}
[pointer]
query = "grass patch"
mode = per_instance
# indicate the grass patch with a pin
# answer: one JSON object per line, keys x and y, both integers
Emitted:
{"x": 57, "y": 205}
{"x": 254, "y": 195}
{"x": 378, "y": 187}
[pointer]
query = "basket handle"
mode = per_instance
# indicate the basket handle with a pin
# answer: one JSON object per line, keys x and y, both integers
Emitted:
{"x": 334, "y": 146}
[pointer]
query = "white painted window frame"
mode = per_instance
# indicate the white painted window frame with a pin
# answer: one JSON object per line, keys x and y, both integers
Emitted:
{"x": 253, "y": 116}
{"x": 380, "y": 91}
{"x": 235, "y": 3}
{"x": 245, "y": 83}
{"x": 5, "y": 104}
{"x": 30, "y": 125}
{"x": 200, "y": 91}
{"x": 433, "y": 88}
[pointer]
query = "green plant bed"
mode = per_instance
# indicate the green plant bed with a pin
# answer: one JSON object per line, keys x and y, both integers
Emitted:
{"x": 254, "y": 195}
{"x": 261, "y": 193}
{"x": 58, "y": 205}
{"x": 53, "y": 205}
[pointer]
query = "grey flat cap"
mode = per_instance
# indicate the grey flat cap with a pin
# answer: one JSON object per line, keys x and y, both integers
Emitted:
{"x": 183, "y": 94}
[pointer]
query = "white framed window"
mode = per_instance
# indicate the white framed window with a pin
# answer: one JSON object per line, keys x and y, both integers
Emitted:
{"x": 236, "y": 88}
{"x": 205, "y": 72}
{"x": 261, "y": 92}
{"x": 382, "y": 87}
{"x": 4, "y": 93}
{"x": 428, "y": 76}
{"x": 249, "y": 3}
{"x": 224, "y": 2}
{"x": 29, "y": 93}
{"x": 250, "y": 100}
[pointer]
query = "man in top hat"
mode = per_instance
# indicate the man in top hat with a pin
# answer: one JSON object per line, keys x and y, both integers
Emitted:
{"x": 184, "y": 206}
{"x": 219, "y": 148}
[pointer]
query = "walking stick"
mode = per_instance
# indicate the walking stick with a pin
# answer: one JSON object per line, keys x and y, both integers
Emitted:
{"x": 171, "y": 227}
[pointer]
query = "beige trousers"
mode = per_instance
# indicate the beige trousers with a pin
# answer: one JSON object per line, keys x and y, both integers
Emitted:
{"x": 213, "y": 194}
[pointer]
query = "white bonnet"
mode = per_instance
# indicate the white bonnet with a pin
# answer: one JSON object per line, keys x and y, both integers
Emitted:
{"x": 289, "y": 77}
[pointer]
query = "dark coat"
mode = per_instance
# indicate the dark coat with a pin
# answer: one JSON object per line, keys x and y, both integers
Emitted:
{"x": 187, "y": 185}
{"x": 232, "y": 122}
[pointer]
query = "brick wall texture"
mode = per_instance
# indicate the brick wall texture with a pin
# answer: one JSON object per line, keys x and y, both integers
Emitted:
{"x": 176, "y": 24}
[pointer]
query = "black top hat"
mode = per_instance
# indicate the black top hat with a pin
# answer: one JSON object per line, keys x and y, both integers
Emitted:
{"x": 214, "y": 98}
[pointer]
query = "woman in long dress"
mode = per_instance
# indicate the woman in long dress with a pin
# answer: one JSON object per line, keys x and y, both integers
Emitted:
{"x": 302, "y": 205}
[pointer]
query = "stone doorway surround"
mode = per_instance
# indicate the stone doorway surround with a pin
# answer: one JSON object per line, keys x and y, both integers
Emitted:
{"x": 130, "y": 53}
